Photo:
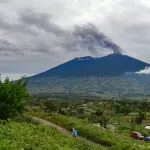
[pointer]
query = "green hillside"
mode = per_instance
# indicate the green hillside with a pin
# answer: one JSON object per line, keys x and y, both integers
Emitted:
{"x": 28, "y": 136}
{"x": 127, "y": 85}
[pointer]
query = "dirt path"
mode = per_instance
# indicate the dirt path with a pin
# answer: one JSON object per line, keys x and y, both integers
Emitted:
{"x": 64, "y": 131}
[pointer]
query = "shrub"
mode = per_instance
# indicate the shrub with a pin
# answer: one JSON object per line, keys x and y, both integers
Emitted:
{"x": 12, "y": 96}
{"x": 26, "y": 119}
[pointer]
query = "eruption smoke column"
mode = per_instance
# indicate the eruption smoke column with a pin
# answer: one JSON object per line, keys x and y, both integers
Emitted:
{"x": 91, "y": 36}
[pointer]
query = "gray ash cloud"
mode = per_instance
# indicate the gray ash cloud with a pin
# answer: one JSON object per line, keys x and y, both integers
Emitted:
{"x": 38, "y": 32}
{"x": 91, "y": 36}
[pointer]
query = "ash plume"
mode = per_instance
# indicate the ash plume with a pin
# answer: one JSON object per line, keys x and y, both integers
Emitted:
{"x": 37, "y": 32}
{"x": 91, "y": 36}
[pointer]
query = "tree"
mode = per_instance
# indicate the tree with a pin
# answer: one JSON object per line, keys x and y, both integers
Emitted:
{"x": 99, "y": 112}
{"x": 12, "y": 97}
{"x": 64, "y": 104}
{"x": 144, "y": 106}
{"x": 104, "y": 120}
{"x": 127, "y": 109}
{"x": 139, "y": 118}
{"x": 132, "y": 123}
{"x": 51, "y": 106}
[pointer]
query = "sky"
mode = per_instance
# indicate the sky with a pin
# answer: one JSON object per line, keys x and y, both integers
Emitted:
{"x": 36, "y": 35}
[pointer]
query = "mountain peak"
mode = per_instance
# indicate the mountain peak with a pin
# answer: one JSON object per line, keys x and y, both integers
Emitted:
{"x": 90, "y": 57}
{"x": 111, "y": 65}
{"x": 85, "y": 58}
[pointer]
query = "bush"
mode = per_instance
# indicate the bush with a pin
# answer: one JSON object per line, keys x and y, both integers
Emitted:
{"x": 123, "y": 128}
{"x": 12, "y": 96}
{"x": 26, "y": 119}
{"x": 121, "y": 147}
{"x": 130, "y": 147}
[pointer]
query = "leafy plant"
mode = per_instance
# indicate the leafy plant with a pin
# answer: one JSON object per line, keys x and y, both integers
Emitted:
{"x": 26, "y": 136}
{"x": 12, "y": 96}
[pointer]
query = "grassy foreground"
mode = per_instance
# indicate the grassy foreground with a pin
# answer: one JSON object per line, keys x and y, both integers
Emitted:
{"x": 91, "y": 132}
{"x": 28, "y": 136}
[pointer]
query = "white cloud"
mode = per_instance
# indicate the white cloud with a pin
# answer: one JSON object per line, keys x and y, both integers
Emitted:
{"x": 14, "y": 76}
{"x": 145, "y": 71}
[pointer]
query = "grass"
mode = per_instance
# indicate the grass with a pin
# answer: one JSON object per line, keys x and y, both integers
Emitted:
{"x": 87, "y": 130}
{"x": 28, "y": 136}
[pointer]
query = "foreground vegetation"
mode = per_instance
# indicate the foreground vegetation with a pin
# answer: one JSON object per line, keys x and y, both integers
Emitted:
{"x": 91, "y": 118}
{"x": 23, "y": 133}
{"x": 12, "y": 97}
{"x": 29, "y": 136}
{"x": 87, "y": 130}
{"x": 105, "y": 122}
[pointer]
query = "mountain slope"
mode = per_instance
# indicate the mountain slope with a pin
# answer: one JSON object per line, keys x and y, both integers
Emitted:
{"x": 110, "y": 75}
{"x": 111, "y": 65}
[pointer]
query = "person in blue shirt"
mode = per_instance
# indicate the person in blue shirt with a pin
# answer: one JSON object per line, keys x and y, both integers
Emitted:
{"x": 75, "y": 133}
